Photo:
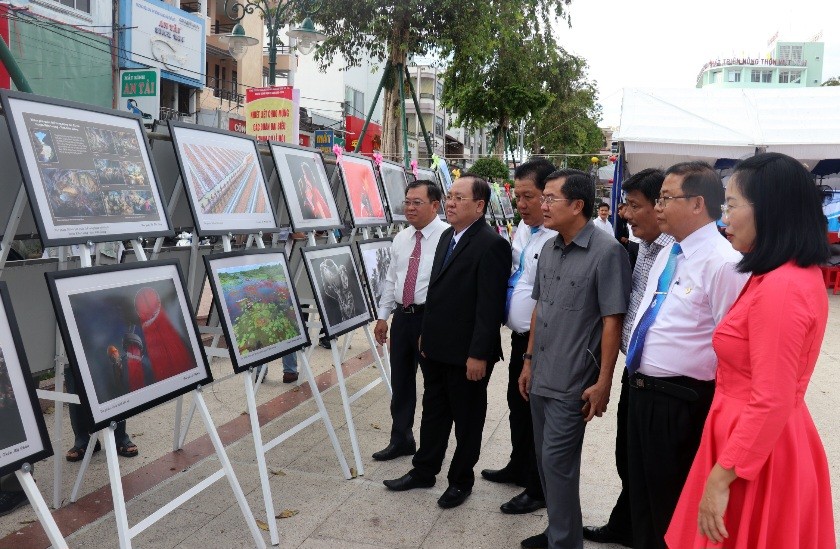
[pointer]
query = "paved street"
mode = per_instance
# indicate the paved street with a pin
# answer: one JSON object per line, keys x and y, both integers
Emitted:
{"x": 326, "y": 510}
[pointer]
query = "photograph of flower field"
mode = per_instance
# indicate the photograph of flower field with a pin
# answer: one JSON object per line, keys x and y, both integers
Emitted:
{"x": 259, "y": 306}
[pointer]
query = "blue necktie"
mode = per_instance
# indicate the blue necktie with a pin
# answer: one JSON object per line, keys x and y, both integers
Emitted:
{"x": 637, "y": 340}
{"x": 449, "y": 251}
{"x": 514, "y": 278}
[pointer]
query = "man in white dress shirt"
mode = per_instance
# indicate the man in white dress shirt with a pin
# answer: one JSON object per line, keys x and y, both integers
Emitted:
{"x": 408, "y": 279}
{"x": 531, "y": 235}
{"x": 603, "y": 220}
{"x": 670, "y": 359}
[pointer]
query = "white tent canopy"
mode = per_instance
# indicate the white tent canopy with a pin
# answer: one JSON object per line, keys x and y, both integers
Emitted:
{"x": 662, "y": 127}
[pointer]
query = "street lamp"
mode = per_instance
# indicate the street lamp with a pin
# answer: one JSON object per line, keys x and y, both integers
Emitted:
{"x": 274, "y": 14}
{"x": 307, "y": 36}
{"x": 238, "y": 42}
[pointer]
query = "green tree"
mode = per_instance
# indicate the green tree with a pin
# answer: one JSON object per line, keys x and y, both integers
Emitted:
{"x": 490, "y": 168}
{"x": 393, "y": 30}
{"x": 498, "y": 77}
{"x": 833, "y": 81}
{"x": 569, "y": 122}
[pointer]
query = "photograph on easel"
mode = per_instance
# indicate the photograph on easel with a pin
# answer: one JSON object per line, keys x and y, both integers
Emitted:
{"x": 23, "y": 434}
{"x": 223, "y": 175}
{"x": 394, "y": 182}
{"x": 495, "y": 209}
{"x": 375, "y": 257}
{"x": 507, "y": 205}
{"x": 87, "y": 170}
{"x": 306, "y": 188}
{"x": 261, "y": 315}
{"x": 366, "y": 206}
{"x": 337, "y": 288}
{"x": 130, "y": 336}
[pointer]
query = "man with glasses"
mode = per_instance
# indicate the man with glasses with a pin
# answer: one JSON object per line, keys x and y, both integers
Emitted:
{"x": 670, "y": 360}
{"x": 460, "y": 341}
{"x": 404, "y": 294}
{"x": 582, "y": 288}
{"x": 531, "y": 235}
{"x": 641, "y": 191}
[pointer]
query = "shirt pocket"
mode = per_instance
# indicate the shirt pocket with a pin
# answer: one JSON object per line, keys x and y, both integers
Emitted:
{"x": 689, "y": 300}
{"x": 572, "y": 292}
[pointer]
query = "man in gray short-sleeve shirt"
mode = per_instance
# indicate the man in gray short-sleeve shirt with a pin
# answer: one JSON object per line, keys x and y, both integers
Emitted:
{"x": 582, "y": 290}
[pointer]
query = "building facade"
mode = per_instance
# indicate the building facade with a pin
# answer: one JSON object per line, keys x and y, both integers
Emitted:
{"x": 788, "y": 65}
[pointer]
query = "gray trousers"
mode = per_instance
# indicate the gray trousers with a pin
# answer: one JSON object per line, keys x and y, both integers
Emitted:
{"x": 558, "y": 441}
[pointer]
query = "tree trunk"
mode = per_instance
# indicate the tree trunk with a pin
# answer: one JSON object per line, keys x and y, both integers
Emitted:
{"x": 392, "y": 119}
{"x": 499, "y": 149}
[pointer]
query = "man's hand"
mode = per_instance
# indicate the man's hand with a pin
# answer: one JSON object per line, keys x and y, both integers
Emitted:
{"x": 525, "y": 380}
{"x": 596, "y": 398}
{"x": 476, "y": 369}
{"x": 380, "y": 331}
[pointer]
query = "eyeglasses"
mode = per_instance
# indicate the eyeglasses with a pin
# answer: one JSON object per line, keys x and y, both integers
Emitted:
{"x": 416, "y": 203}
{"x": 552, "y": 199}
{"x": 726, "y": 208}
{"x": 459, "y": 198}
{"x": 663, "y": 200}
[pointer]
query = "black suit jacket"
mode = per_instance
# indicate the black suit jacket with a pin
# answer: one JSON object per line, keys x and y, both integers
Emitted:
{"x": 466, "y": 300}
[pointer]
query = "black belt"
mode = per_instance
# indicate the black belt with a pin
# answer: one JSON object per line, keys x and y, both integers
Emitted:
{"x": 648, "y": 383}
{"x": 523, "y": 335}
{"x": 414, "y": 308}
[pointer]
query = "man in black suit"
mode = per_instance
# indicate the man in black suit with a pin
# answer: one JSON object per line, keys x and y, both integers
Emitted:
{"x": 460, "y": 341}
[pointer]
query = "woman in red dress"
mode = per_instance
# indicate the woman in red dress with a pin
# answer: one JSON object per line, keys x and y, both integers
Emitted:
{"x": 760, "y": 478}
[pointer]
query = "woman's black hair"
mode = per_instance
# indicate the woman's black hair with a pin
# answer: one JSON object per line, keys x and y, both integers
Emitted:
{"x": 787, "y": 208}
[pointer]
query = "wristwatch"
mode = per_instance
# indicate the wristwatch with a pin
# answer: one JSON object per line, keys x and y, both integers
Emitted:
{"x": 527, "y": 356}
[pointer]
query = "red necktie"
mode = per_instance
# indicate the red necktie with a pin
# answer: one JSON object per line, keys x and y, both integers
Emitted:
{"x": 411, "y": 275}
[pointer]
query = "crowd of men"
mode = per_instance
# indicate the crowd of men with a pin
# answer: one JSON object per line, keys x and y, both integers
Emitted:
{"x": 572, "y": 300}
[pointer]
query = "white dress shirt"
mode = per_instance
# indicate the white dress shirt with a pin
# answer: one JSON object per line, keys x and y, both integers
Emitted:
{"x": 401, "y": 250}
{"x": 604, "y": 225}
{"x": 521, "y": 302}
{"x": 705, "y": 284}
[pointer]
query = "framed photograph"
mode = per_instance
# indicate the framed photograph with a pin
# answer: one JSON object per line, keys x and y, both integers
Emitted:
{"x": 425, "y": 173}
{"x": 306, "y": 188}
{"x": 394, "y": 182}
{"x": 260, "y": 310}
{"x": 87, "y": 171}
{"x": 23, "y": 435}
{"x": 223, "y": 175}
{"x": 495, "y": 209}
{"x": 337, "y": 288}
{"x": 375, "y": 257}
{"x": 130, "y": 336}
{"x": 507, "y": 205}
{"x": 445, "y": 176}
{"x": 366, "y": 206}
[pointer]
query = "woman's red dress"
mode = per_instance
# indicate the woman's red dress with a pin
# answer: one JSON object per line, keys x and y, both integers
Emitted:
{"x": 767, "y": 346}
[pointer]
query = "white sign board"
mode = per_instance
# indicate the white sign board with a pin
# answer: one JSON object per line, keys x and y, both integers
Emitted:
{"x": 162, "y": 36}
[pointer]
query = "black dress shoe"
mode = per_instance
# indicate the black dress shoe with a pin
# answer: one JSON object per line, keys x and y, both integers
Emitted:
{"x": 540, "y": 541}
{"x": 453, "y": 497}
{"x": 504, "y": 475}
{"x": 394, "y": 451}
{"x": 407, "y": 482}
{"x": 605, "y": 534}
{"x": 521, "y": 504}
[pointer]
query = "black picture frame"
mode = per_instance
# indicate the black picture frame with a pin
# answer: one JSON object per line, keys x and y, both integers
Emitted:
{"x": 356, "y": 216}
{"x": 291, "y": 195}
{"x": 246, "y": 258}
{"x": 335, "y": 321}
{"x": 374, "y": 277}
{"x": 390, "y": 174}
{"x": 208, "y": 224}
{"x": 14, "y": 371}
{"x": 98, "y": 291}
{"x": 79, "y": 180}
